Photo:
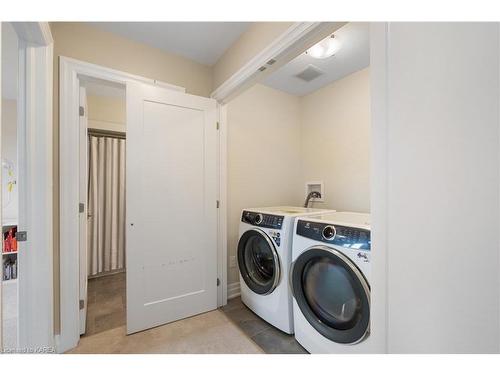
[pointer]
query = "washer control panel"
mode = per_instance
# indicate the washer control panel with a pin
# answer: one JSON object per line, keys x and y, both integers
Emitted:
{"x": 354, "y": 238}
{"x": 262, "y": 220}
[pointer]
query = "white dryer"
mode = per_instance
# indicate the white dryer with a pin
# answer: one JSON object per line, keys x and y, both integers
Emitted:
{"x": 330, "y": 282}
{"x": 264, "y": 258}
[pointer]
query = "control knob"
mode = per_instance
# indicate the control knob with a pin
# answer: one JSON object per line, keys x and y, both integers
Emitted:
{"x": 258, "y": 219}
{"x": 329, "y": 232}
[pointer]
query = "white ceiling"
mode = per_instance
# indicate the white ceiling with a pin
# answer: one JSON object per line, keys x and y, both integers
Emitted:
{"x": 353, "y": 56}
{"x": 9, "y": 62}
{"x": 203, "y": 42}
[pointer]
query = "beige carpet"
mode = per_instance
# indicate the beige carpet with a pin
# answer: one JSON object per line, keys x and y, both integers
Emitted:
{"x": 211, "y": 332}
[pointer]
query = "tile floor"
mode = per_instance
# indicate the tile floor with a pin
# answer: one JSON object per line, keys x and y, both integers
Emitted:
{"x": 211, "y": 332}
{"x": 231, "y": 329}
{"x": 106, "y": 307}
{"x": 270, "y": 339}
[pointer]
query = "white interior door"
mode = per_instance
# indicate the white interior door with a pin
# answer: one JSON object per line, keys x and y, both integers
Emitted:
{"x": 171, "y": 206}
{"x": 83, "y": 208}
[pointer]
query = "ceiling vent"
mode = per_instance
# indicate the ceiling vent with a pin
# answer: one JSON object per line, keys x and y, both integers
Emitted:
{"x": 309, "y": 73}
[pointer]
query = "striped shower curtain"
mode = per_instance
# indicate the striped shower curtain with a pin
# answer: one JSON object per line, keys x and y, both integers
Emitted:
{"x": 106, "y": 205}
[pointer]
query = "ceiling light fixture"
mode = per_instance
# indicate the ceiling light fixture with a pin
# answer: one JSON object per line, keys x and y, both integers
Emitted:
{"x": 325, "y": 48}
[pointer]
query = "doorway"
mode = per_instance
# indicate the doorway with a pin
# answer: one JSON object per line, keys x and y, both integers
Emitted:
{"x": 172, "y": 187}
{"x": 102, "y": 192}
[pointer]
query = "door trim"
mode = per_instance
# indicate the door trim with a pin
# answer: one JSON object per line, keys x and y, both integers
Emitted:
{"x": 69, "y": 71}
{"x": 35, "y": 87}
{"x": 379, "y": 191}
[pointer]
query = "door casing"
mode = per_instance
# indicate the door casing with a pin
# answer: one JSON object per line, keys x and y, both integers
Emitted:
{"x": 70, "y": 71}
{"x": 34, "y": 110}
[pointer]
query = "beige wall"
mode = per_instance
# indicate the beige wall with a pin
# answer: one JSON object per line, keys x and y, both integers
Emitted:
{"x": 106, "y": 113}
{"x": 335, "y": 145}
{"x": 262, "y": 155}
{"x": 277, "y": 142}
{"x": 77, "y": 40}
{"x": 85, "y": 43}
{"x": 258, "y": 36}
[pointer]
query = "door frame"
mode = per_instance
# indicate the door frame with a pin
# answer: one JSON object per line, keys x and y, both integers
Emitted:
{"x": 83, "y": 217}
{"x": 69, "y": 143}
{"x": 34, "y": 124}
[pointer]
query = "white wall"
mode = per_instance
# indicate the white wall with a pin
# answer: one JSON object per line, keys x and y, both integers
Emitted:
{"x": 262, "y": 154}
{"x": 335, "y": 142}
{"x": 9, "y": 113}
{"x": 437, "y": 149}
{"x": 9, "y": 152}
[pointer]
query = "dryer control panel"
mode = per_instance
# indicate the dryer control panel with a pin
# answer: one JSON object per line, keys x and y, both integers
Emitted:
{"x": 354, "y": 238}
{"x": 262, "y": 220}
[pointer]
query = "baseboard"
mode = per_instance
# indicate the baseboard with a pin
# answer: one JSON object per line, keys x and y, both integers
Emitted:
{"x": 233, "y": 290}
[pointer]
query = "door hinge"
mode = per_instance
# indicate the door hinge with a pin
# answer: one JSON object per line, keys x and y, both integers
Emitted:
{"x": 81, "y": 207}
{"x": 82, "y": 111}
{"x": 82, "y": 304}
{"x": 22, "y": 236}
{"x": 218, "y": 282}
{"x": 218, "y": 125}
{"x": 218, "y": 204}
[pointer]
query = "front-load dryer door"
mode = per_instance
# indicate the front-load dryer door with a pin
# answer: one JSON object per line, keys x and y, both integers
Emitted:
{"x": 332, "y": 294}
{"x": 258, "y": 261}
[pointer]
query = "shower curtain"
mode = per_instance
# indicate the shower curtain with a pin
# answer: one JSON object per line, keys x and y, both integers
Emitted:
{"x": 106, "y": 205}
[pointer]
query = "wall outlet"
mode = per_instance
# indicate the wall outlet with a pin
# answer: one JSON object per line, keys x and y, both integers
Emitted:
{"x": 232, "y": 261}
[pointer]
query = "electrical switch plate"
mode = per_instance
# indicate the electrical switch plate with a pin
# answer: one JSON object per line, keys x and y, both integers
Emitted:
{"x": 232, "y": 261}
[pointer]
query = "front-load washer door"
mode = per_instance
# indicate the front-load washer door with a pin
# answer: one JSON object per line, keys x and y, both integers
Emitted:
{"x": 332, "y": 294}
{"x": 258, "y": 261}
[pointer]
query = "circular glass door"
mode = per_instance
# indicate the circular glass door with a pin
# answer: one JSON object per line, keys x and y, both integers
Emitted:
{"x": 332, "y": 293}
{"x": 258, "y": 261}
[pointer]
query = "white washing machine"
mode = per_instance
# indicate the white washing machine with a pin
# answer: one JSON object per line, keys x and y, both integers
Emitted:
{"x": 330, "y": 282}
{"x": 264, "y": 258}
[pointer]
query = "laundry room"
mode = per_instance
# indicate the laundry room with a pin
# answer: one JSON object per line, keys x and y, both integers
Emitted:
{"x": 278, "y": 141}
{"x": 297, "y": 140}
{"x": 249, "y": 187}
{"x": 290, "y": 151}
